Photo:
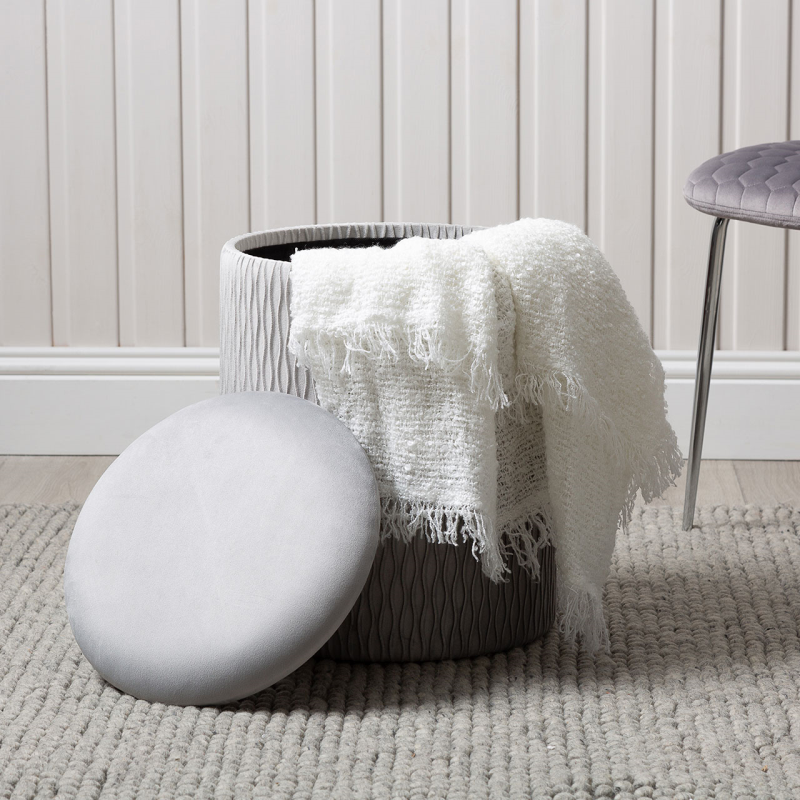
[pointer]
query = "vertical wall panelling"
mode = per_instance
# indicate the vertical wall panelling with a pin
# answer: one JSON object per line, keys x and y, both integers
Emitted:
{"x": 552, "y": 108}
{"x": 24, "y": 205}
{"x": 755, "y": 90}
{"x": 687, "y": 122}
{"x": 137, "y": 136}
{"x": 149, "y": 190}
{"x": 282, "y": 157}
{"x": 621, "y": 72}
{"x": 83, "y": 191}
{"x": 416, "y": 110}
{"x": 216, "y": 166}
{"x": 792, "y": 299}
{"x": 484, "y": 129}
{"x": 349, "y": 109}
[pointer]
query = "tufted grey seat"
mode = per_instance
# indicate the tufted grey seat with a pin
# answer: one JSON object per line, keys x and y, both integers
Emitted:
{"x": 760, "y": 184}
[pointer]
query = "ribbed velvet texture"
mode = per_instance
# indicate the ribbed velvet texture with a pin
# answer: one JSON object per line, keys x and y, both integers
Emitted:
{"x": 422, "y": 601}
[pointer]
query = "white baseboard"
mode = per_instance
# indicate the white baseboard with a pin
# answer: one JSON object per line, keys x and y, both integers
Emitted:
{"x": 96, "y": 401}
{"x": 753, "y": 403}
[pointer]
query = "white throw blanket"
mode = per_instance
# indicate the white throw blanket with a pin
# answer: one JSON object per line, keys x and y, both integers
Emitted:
{"x": 498, "y": 382}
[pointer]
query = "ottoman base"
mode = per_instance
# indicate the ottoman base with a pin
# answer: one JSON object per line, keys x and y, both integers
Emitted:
{"x": 425, "y": 601}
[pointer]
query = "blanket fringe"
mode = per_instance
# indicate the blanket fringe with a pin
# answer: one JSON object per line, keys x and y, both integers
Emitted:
{"x": 335, "y": 351}
{"x": 404, "y": 519}
{"x": 652, "y": 474}
{"x": 521, "y": 539}
{"x": 580, "y": 613}
{"x": 560, "y": 390}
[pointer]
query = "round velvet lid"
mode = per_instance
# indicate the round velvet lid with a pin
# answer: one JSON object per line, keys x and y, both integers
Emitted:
{"x": 222, "y": 549}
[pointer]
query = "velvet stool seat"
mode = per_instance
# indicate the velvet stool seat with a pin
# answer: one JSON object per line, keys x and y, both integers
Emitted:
{"x": 758, "y": 184}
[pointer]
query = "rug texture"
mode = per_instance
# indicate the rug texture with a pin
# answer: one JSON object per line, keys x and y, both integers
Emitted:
{"x": 699, "y": 696}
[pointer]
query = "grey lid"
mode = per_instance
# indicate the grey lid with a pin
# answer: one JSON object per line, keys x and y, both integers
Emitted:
{"x": 222, "y": 549}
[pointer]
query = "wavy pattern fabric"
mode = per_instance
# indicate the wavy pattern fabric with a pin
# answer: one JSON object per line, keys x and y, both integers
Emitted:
{"x": 254, "y": 325}
{"x": 697, "y": 698}
{"x": 405, "y": 614}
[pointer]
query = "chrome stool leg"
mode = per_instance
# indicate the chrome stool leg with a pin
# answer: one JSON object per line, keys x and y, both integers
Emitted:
{"x": 704, "y": 358}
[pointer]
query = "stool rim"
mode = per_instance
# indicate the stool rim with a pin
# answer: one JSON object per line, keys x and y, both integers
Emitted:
{"x": 240, "y": 245}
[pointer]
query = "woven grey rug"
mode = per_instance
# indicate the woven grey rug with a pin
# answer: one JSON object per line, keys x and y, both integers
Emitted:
{"x": 698, "y": 699}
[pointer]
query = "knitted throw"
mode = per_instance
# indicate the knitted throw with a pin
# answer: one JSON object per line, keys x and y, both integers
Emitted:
{"x": 499, "y": 383}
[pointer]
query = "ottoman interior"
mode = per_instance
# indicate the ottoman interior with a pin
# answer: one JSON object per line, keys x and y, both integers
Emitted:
{"x": 283, "y": 252}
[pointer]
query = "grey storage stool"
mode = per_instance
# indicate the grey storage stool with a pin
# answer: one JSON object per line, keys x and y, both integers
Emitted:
{"x": 403, "y": 612}
{"x": 761, "y": 184}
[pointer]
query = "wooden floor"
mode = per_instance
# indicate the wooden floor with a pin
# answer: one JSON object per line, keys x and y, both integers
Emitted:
{"x": 57, "y": 479}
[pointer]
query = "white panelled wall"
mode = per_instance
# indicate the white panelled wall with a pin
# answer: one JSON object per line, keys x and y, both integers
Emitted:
{"x": 137, "y": 136}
